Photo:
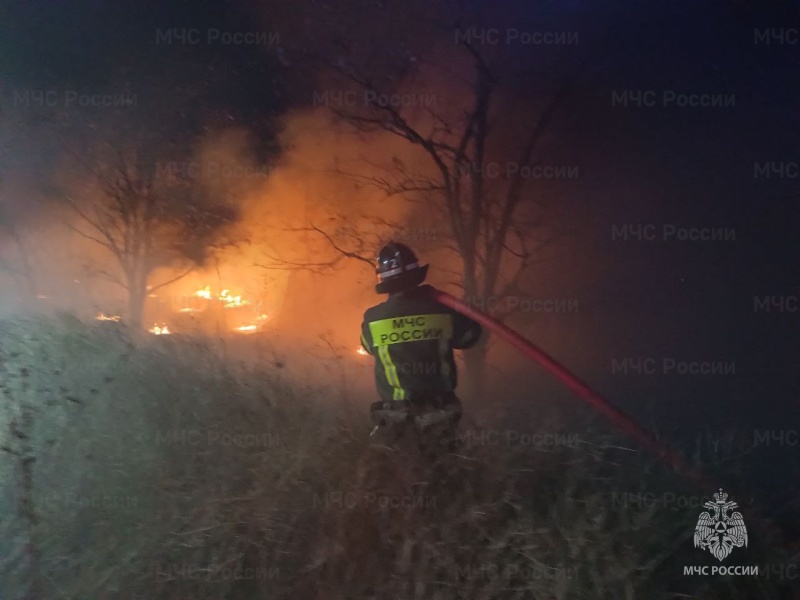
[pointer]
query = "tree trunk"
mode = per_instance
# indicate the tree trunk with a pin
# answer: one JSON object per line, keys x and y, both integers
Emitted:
{"x": 300, "y": 309}
{"x": 475, "y": 357}
{"x": 136, "y": 298}
{"x": 26, "y": 265}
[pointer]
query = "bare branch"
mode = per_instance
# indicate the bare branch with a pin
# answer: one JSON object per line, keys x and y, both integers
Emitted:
{"x": 173, "y": 280}
{"x": 344, "y": 253}
{"x": 89, "y": 237}
{"x": 98, "y": 272}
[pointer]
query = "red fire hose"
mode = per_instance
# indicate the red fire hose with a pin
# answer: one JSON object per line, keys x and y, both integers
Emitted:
{"x": 573, "y": 382}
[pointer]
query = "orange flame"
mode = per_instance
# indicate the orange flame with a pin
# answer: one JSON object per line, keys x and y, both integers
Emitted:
{"x": 104, "y": 317}
{"x": 253, "y": 326}
{"x": 230, "y": 300}
{"x": 162, "y": 329}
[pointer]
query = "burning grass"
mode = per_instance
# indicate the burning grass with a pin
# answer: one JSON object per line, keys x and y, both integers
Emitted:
{"x": 162, "y": 329}
{"x": 163, "y": 470}
{"x": 204, "y": 307}
{"x": 104, "y": 317}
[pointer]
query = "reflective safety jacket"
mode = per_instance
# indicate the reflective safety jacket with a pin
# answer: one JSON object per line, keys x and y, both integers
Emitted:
{"x": 412, "y": 338}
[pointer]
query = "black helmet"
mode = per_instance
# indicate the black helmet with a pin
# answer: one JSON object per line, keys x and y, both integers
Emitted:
{"x": 398, "y": 269}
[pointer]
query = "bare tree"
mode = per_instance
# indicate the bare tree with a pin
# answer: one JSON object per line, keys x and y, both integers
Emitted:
{"x": 145, "y": 215}
{"x": 22, "y": 267}
{"x": 491, "y": 213}
{"x": 13, "y": 224}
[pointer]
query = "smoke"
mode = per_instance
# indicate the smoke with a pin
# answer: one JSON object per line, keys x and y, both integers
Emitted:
{"x": 280, "y": 267}
{"x": 322, "y": 198}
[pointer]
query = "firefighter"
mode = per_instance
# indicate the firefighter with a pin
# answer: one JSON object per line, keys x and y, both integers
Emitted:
{"x": 412, "y": 338}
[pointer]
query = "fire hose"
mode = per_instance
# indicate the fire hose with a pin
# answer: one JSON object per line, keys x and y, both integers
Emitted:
{"x": 622, "y": 421}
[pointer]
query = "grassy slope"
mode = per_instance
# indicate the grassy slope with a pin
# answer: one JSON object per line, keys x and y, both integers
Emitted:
{"x": 162, "y": 472}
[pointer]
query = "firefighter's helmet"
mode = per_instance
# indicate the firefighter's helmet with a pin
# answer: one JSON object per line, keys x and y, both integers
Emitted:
{"x": 398, "y": 269}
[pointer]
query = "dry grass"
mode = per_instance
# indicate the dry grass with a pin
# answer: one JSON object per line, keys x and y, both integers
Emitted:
{"x": 156, "y": 470}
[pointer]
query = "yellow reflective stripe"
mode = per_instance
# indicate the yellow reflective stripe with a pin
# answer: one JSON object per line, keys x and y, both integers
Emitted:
{"x": 399, "y": 393}
{"x": 411, "y": 329}
{"x": 391, "y": 373}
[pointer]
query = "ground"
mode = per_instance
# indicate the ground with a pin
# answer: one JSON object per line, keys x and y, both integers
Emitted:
{"x": 148, "y": 468}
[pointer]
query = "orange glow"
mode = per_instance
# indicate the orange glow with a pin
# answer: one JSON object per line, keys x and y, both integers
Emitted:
{"x": 226, "y": 294}
{"x": 203, "y": 303}
{"x": 362, "y": 351}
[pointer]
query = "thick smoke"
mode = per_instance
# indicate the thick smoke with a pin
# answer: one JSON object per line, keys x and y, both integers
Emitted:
{"x": 287, "y": 276}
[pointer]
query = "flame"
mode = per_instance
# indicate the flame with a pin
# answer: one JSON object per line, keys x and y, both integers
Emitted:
{"x": 163, "y": 329}
{"x": 230, "y": 300}
{"x": 253, "y": 326}
{"x": 226, "y": 299}
{"x": 362, "y": 351}
{"x": 105, "y": 317}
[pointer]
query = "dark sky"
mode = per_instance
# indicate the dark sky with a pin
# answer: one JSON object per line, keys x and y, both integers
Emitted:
{"x": 652, "y": 165}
